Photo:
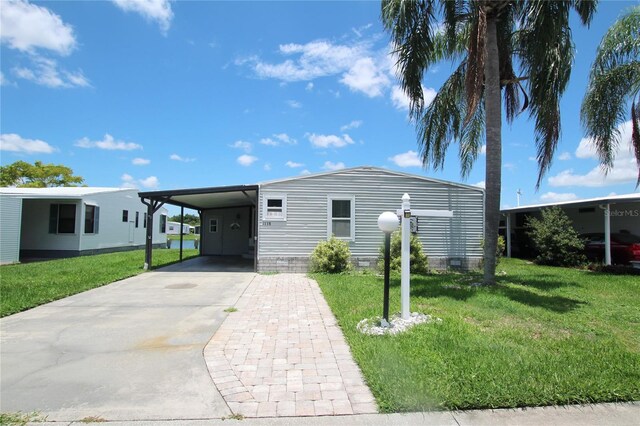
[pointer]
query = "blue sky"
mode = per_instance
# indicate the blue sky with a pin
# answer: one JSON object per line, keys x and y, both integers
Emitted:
{"x": 164, "y": 95}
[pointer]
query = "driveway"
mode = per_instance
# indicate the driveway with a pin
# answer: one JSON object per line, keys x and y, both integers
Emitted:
{"x": 129, "y": 350}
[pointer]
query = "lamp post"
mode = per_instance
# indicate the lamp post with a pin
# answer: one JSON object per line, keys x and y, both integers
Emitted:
{"x": 387, "y": 222}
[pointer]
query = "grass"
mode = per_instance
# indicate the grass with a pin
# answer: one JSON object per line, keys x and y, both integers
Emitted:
{"x": 20, "y": 418}
{"x": 27, "y": 285}
{"x": 542, "y": 336}
{"x": 231, "y": 309}
{"x": 185, "y": 237}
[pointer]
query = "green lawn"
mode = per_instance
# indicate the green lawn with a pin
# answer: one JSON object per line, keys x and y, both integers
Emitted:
{"x": 543, "y": 336}
{"x": 184, "y": 237}
{"x": 24, "y": 286}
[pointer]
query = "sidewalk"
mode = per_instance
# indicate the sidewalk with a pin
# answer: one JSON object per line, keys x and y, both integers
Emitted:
{"x": 623, "y": 414}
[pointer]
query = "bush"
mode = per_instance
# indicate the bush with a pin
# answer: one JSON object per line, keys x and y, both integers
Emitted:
{"x": 419, "y": 262}
{"x": 331, "y": 256}
{"x": 555, "y": 240}
{"x": 499, "y": 249}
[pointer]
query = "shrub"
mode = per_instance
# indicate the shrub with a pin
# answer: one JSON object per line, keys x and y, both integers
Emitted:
{"x": 499, "y": 249}
{"x": 419, "y": 262}
{"x": 554, "y": 239}
{"x": 331, "y": 256}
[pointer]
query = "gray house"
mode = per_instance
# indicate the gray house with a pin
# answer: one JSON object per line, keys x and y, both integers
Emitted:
{"x": 279, "y": 223}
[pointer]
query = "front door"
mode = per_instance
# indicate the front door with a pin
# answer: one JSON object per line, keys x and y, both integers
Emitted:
{"x": 212, "y": 242}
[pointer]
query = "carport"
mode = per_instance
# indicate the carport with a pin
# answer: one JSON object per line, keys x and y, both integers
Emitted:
{"x": 228, "y": 218}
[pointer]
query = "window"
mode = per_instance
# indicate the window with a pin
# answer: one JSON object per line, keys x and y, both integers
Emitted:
{"x": 62, "y": 219}
{"x": 213, "y": 225}
{"x": 163, "y": 224}
{"x": 275, "y": 207}
{"x": 341, "y": 217}
{"x": 91, "y": 219}
{"x": 137, "y": 218}
{"x": 125, "y": 215}
{"x": 144, "y": 221}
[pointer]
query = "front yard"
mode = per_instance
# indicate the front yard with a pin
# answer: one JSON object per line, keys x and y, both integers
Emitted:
{"x": 542, "y": 336}
{"x": 27, "y": 285}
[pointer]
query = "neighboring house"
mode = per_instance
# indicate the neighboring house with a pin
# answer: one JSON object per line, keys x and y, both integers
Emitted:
{"x": 617, "y": 213}
{"x": 173, "y": 228}
{"x": 280, "y": 222}
{"x": 65, "y": 222}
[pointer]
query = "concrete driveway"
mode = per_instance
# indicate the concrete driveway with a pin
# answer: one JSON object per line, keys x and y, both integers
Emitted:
{"x": 127, "y": 351}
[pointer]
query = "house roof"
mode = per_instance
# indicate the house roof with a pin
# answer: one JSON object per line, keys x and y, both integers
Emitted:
{"x": 207, "y": 198}
{"x": 377, "y": 169}
{"x": 612, "y": 199}
{"x": 60, "y": 192}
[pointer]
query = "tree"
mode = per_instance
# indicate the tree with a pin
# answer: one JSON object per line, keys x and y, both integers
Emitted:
{"x": 37, "y": 175}
{"x": 555, "y": 240}
{"x": 189, "y": 219}
{"x": 614, "y": 80}
{"x": 498, "y": 47}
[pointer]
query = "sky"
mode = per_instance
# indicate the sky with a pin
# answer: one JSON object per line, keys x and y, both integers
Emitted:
{"x": 160, "y": 94}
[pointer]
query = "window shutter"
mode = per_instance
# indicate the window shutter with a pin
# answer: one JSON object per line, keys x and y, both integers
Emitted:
{"x": 53, "y": 219}
{"x": 96, "y": 220}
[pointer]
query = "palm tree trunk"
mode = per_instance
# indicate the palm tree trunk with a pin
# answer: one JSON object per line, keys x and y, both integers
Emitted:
{"x": 493, "y": 173}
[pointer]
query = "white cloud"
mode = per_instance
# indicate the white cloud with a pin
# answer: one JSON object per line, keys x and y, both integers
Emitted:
{"x": 140, "y": 161}
{"x": 305, "y": 172}
{"x": 533, "y": 159}
{"x": 480, "y": 184}
{"x": 400, "y": 99}
{"x": 326, "y": 141}
{"x": 293, "y": 164}
{"x": 245, "y": 146}
{"x": 27, "y": 27}
{"x": 3, "y": 80}
{"x": 328, "y": 165}
{"x": 309, "y": 87}
{"x": 366, "y": 76}
{"x": 279, "y": 139}
{"x": 15, "y": 143}
{"x": 152, "y": 10}
{"x": 267, "y": 167}
{"x": 483, "y": 149}
{"x": 246, "y": 160}
{"x": 564, "y": 156}
{"x": 553, "y": 197}
{"x": 510, "y": 166}
{"x": 129, "y": 181}
{"x": 108, "y": 143}
{"x": 407, "y": 159}
{"x": 353, "y": 125}
{"x": 45, "y": 72}
{"x": 176, "y": 157}
{"x": 294, "y": 104}
{"x": 625, "y": 169}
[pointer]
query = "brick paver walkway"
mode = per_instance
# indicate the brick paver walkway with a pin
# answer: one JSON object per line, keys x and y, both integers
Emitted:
{"x": 282, "y": 354}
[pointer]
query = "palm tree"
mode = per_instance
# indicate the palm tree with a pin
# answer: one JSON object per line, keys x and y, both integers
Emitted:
{"x": 614, "y": 80}
{"x": 520, "y": 50}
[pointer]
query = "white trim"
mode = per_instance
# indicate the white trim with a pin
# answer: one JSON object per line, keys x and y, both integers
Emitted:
{"x": 274, "y": 196}
{"x": 352, "y": 199}
{"x": 211, "y": 219}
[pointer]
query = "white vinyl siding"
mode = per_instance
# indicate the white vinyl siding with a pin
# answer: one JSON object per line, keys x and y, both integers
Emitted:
{"x": 341, "y": 217}
{"x": 10, "y": 214}
{"x": 274, "y": 207}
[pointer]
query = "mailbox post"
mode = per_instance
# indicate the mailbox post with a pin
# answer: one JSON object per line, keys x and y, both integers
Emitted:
{"x": 387, "y": 222}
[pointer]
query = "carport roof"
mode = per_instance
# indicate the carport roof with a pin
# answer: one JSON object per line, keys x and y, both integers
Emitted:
{"x": 206, "y": 198}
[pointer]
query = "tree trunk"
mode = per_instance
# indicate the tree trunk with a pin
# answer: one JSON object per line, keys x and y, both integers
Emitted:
{"x": 493, "y": 173}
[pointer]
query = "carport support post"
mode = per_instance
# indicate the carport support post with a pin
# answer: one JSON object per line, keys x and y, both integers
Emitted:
{"x": 181, "y": 229}
{"x": 149, "y": 243}
{"x": 607, "y": 235}
{"x": 508, "y": 234}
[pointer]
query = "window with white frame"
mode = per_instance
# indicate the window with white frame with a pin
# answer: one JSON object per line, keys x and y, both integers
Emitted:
{"x": 275, "y": 207}
{"x": 341, "y": 217}
{"x": 213, "y": 226}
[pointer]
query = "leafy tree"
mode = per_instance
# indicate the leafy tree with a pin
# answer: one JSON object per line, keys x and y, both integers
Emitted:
{"x": 555, "y": 240}
{"x": 519, "y": 49}
{"x": 189, "y": 219}
{"x": 37, "y": 175}
{"x": 614, "y": 80}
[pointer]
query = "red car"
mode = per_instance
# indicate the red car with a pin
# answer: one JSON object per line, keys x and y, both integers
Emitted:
{"x": 624, "y": 247}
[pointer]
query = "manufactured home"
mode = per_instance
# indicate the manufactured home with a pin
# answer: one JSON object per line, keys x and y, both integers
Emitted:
{"x": 173, "y": 228}
{"x": 279, "y": 223}
{"x": 65, "y": 222}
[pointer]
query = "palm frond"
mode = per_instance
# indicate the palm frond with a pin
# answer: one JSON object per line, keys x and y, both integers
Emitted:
{"x": 620, "y": 44}
{"x": 604, "y": 107}
{"x": 635, "y": 135}
{"x": 471, "y": 140}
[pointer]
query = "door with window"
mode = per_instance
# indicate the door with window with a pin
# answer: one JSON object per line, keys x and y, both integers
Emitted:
{"x": 212, "y": 234}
